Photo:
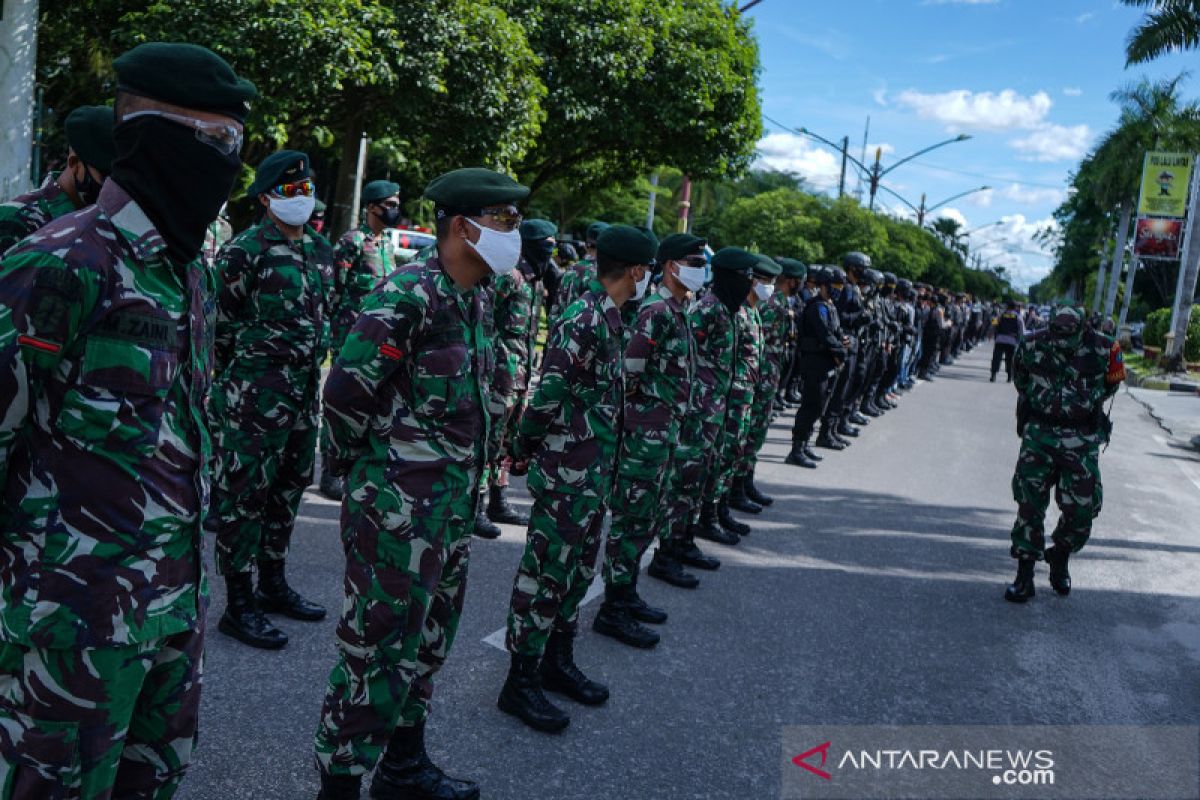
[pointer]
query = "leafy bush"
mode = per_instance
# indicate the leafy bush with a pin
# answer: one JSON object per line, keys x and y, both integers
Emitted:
{"x": 1157, "y": 323}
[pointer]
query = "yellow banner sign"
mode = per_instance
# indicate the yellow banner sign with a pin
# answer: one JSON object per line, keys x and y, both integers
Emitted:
{"x": 1165, "y": 179}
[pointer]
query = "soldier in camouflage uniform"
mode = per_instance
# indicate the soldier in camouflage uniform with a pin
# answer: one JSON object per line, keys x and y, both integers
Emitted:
{"x": 361, "y": 259}
{"x": 89, "y": 160}
{"x": 106, "y": 324}
{"x": 1064, "y": 374}
{"x": 576, "y": 279}
{"x": 660, "y": 370}
{"x": 277, "y": 289}
{"x": 516, "y": 305}
{"x": 406, "y": 407}
{"x": 571, "y": 432}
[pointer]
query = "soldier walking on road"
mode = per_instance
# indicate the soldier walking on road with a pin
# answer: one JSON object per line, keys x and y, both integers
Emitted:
{"x": 569, "y": 439}
{"x": 277, "y": 291}
{"x": 1064, "y": 374}
{"x": 106, "y": 321}
{"x": 405, "y": 405}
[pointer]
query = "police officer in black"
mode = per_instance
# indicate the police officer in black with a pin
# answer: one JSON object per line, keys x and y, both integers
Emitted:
{"x": 1010, "y": 329}
{"x": 822, "y": 352}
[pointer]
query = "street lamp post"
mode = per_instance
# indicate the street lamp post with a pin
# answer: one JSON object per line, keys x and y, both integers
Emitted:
{"x": 877, "y": 171}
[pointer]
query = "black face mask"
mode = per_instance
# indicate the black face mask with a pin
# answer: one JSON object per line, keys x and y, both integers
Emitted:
{"x": 389, "y": 216}
{"x": 538, "y": 253}
{"x": 731, "y": 288}
{"x": 88, "y": 189}
{"x": 179, "y": 182}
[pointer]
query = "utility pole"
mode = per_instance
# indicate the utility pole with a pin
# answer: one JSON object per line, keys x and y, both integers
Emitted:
{"x": 358, "y": 179}
{"x": 685, "y": 204}
{"x": 842, "y": 179}
{"x": 1185, "y": 288}
{"x": 1101, "y": 276}
{"x": 1118, "y": 259}
{"x": 653, "y": 195}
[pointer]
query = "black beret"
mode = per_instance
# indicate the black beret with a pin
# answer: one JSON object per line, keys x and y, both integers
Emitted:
{"x": 282, "y": 167}
{"x": 375, "y": 191}
{"x": 792, "y": 268}
{"x": 185, "y": 75}
{"x": 734, "y": 259}
{"x": 626, "y": 243}
{"x": 90, "y": 134}
{"x": 467, "y": 191}
{"x": 679, "y": 245}
{"x": 538, "y": 229}
{"x": 595, "y": 229}
{"x": 766, "y": 267}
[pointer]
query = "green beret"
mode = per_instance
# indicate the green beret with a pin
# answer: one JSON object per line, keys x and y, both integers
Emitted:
{"x": 375, "y": 191}
{"x": 282, "y": 167}
{"x": 468, "y": 191}
{"x": 734, "y": 259}
{"x": 534, "y": 229}
{"x": 649, "y": 234}
{"x": 626, "y": 243}
{"x": 185, "y": 75}
{"x": 766, "y": 267}
{"x": 318, "y": 206}
{"x": 90, "y": 134}
{"x": 792, "y": 268}
{"x": 595, "y": 229}
{"x": 679, "y": 245}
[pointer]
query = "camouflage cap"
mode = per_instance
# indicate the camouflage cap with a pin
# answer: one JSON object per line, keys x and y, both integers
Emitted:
{"x": 627, "y": 244}
{"x": 284, "y": 166}
{"x": 679, "y": 245}
{"x": 375, "y": 191}
{"x": 186, "y": 75}
{"x": 89, "y": 132}
{"x": 538, "y": 229}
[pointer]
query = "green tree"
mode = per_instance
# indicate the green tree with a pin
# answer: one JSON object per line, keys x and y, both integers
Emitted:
{"x": 782, "y": 222}
{"x": 1169, "y": 26}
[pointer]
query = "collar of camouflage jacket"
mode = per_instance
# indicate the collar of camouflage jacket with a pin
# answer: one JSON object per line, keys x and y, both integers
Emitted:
{"x": 130, "y": 221}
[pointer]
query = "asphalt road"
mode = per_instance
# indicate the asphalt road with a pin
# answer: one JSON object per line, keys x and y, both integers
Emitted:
{"x": 870, "y": 593}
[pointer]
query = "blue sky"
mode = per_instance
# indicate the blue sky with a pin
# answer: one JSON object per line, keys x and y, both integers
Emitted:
{"x": 1028, "y": 79}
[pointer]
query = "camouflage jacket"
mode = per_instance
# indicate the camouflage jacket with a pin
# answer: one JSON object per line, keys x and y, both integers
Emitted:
{"x": 515, "y": 308}
{"x": 716, "y": 341}
{"x": 361, "y": 260}
{"x": 271, "y": 310}
{"x": 406, "y": 395}
{"x": 25, "y": 214}
{"x": 1065, "y": 380}
{"x": 218, "y": 232}
{"x": 571, "y": 427}
{"x": 105, "y": 358}
{"x": 747, "y": 364}
{"x": 573, "y": 284}
{"x": 776, "y": 317}
{"x": 660, "y": 369}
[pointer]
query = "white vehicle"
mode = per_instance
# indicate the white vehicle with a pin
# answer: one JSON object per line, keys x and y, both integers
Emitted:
{"x": 407, "y": 242}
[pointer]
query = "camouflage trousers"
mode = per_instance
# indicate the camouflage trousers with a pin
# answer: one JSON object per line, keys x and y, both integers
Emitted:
{"x": 556, "y": 569}
{"x": 100, "y": 722}
{"x": 759, "y": 422}
{"x": 262, "y": 472}
{"x": 1067, "y": 463}
{"x": 688, "y": 468}
{"x": 405, "y": 582}
{"x": 731, "y": 442}
{"x": 640, "y": 511}
{"x": 505, "y": 415}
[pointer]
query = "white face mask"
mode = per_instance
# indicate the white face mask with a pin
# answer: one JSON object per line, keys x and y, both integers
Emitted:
{"x": 691, "y": 277}
{"x": 499, "y": 250}
{"x": 639, "y": 289}
{"x": 764, "y": 291}
{"x": 292, "y": 210}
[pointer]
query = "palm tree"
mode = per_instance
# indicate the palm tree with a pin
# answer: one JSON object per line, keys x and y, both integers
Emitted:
{"x": 950, "y": 232}
{"x": 1170, "y": 26}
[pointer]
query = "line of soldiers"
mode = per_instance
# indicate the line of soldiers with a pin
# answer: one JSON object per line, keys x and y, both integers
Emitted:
{"x": 131, "y": 367}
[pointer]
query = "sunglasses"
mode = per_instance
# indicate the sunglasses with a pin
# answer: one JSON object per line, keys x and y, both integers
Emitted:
{"x": 222, "y": 136}
{"x": 303, "y": 188}
{"x": 507, "y": 218}
{"x": 695, "y": 261}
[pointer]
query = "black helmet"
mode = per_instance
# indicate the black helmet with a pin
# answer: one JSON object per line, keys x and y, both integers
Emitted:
{"x": 820, "y": 275}
{"x": 904, "y": 284}
{"x": 873, "y": 276}
{"x": 856, "y": 260}
{"x": 836, "y": 274}
{"x": 889, "y": 279}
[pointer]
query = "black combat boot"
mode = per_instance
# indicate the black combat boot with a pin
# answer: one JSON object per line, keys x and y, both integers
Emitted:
{"x": 827, "y": 440}
{"x": 274, "y": 596}
{"x": 754, "y": 494}
{"x": 331, "y": 486}
{"x": 499, "y": 510}
{"x": 522, "y": 697}
{"x": 858, "y": 419}
{"x": 837, "y": 437}
{"x": 1021, "y": 589}
{"x": 242, "y": 619}
{"x": 339, "y": 787}
{"x": 793, "y": 395}
{"x": 844, "y": 428}
{"x": 738, "y": 500}
{"x": 688, "y": 554}
{"x": 615, "y": 619}
{"x": 407, "y": 773}
{"x": 812, "y": 454}
{"x": 709, "y": 528}
{"x": 1057, "y": 557}
{"x": 726, "y": 521}
{"x": 868, "y": 407}
{"x": 799, "y": 456}
{"x": 643, "y": 611}
{"x": 560, "y": 674}
{"x": 484, "y": 527}
{"x": 666, "y": 567}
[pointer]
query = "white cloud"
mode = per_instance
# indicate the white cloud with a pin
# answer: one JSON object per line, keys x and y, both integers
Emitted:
{"x": 950, "y": 212}
{"x": 1033, "y": 195}
{"x": 1012, "y": 245}
{"x": 961, "y": 108}
{"x": 789, "y": 152}
{"x": 1082, "y": 18}
{"x": 982, "y": 199}
{"x": 880, "y": 96}
{"x": 1072, "y": 91}
{"x": 1054, "y": 143}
